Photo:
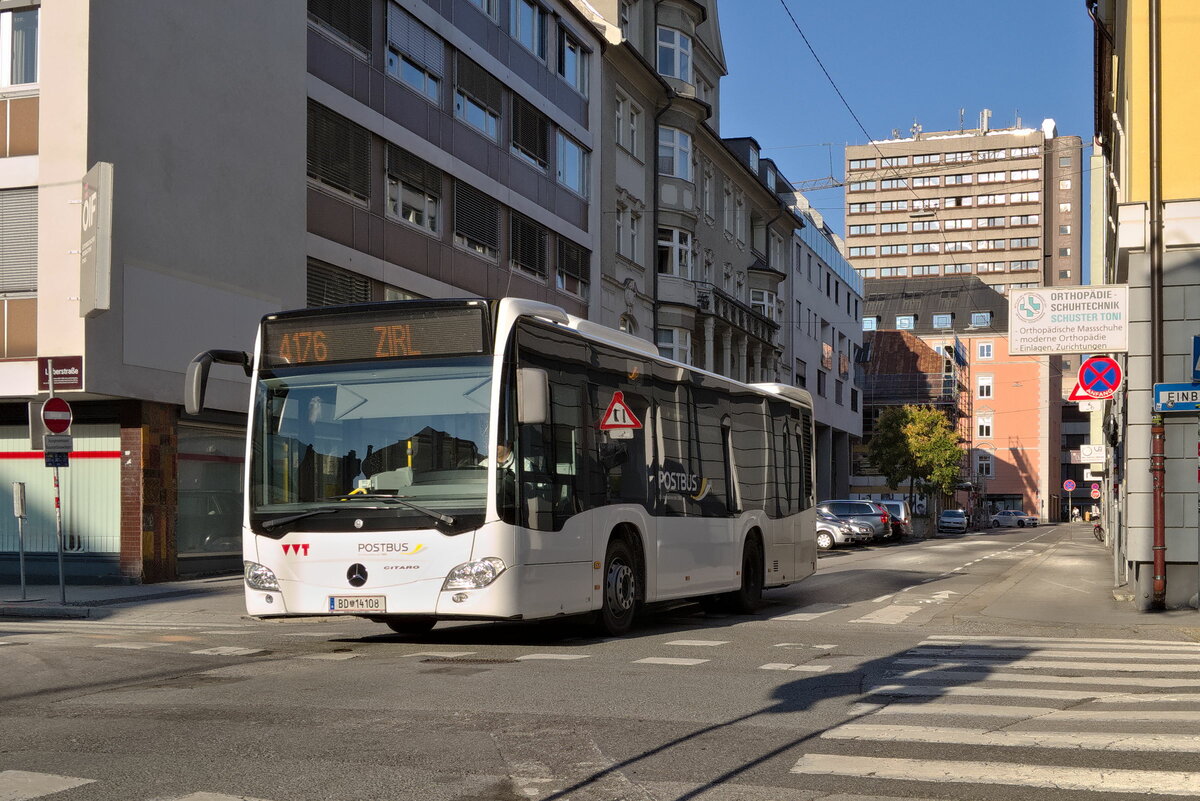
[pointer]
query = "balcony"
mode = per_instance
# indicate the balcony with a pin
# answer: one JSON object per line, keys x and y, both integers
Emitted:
{"x": 713, "y": 300}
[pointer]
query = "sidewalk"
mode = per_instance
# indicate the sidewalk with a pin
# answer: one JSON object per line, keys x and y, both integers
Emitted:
{"x": 221, "y": 593}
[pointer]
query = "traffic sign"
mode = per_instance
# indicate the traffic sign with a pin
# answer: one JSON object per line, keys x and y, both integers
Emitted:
{"x": 56, "y": 415}
{"x": 1195, "y": 359}
{"x": 1095, "y": 488}
{"x": 1095, "y": 493}
{"x": 57, "y": 459}
{"x": 1069, "y": 485}
{"x": 1100, "y": 377}
{"x": 1176, "y": 398}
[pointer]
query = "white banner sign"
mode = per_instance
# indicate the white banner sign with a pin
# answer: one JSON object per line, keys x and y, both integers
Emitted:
{"x": 1078, "y": 319}
{"x": 1092, "y": 453}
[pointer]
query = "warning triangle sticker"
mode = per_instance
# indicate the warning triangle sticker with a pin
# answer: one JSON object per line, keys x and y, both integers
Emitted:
{"x": 618, "y": 415}
{"x": 1079, "y": 394}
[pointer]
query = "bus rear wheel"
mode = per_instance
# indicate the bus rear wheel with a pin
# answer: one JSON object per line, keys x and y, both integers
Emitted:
{"x": 748, "y": 598}
{"x": 620, "y": 589}
{"x": 410, "y": 625}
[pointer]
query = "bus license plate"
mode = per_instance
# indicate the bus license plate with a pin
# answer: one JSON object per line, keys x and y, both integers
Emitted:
{"x": 357, "y": 603}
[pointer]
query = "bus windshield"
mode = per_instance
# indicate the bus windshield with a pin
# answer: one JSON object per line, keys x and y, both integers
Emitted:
{"x": 333, "y": 438}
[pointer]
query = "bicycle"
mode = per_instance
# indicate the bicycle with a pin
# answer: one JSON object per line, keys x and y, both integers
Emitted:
{"x": 1098, "y": 532}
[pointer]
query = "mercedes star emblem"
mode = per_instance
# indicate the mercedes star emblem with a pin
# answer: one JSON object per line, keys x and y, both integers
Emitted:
{"x": 357, "y": 575}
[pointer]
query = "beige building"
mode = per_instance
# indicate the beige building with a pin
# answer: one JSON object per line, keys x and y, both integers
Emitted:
{"x": 1004, "y": 205}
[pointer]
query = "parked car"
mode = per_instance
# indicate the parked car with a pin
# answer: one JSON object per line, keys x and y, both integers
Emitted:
{"x": 865, "y": 512}
{"x": 832, "y": 532}
{"x": 952, "y": 520}
{"x": 901, "y": 516}
{"x": 1013, "y": 517}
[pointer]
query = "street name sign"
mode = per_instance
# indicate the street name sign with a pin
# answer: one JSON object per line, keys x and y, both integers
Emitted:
{"x": 1176, "y": 398}
{"x": 1085, "y": 319}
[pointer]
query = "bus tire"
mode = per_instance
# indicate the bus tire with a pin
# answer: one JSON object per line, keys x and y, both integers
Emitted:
{"x": 409, "y": 625}
{"x": 620, "y": 589}
{"x": 748, "y": 598}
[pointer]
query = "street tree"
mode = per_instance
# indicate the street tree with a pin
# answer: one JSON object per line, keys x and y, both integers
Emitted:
{"x": 916, "y": 444}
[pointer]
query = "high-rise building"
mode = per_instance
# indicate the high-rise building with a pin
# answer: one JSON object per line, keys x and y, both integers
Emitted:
{"x": 1003, "y": 205}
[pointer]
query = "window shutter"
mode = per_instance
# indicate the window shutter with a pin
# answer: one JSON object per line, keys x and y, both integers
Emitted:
{"x": 476, "y": 216}
{"x": 351, "y": 18}
{"x": 412, "y": 170}
{"x": 339, "y": 152}
{"x": 477, "y": 82}
{"x": 415, "y": 40}
{"x": 572, "y": 260}
{"x": 18, "y": 240}
{"x": 333, "y": 286}
{"x": 528, "y": 244}
{"x": 531, "y": 130}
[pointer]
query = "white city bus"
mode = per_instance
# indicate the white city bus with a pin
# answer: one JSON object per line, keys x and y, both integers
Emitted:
{"x": 417, "y": 461}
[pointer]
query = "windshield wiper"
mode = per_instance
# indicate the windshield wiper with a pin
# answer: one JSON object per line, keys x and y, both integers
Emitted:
{"x": 282, "y": 521}
{"x": 438, "y": 516}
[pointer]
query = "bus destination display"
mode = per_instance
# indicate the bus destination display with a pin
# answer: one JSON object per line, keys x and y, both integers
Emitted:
{"x": 389, "y": 334}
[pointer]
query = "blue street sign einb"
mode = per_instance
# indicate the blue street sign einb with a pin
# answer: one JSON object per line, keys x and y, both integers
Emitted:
{"x": 1176, "y": 398}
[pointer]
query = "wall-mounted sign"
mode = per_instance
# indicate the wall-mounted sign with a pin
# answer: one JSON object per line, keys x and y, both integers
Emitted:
{"x": 68, "y": 373}
{"x": 1084, "y": 319}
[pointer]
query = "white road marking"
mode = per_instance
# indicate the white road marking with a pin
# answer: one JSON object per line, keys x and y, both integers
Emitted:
{"x": 134, "y": 646}
{"x": 21, "y": 785}
{"x": 801, "y": 668}
{"x": 332, "y": 657}
{"x": 889, "y": 615}
{"x": 699, "y": 643}
{"x": 664, "y": 660}
{"x": 1090, "y": 741}
{"x": 975, "y": 676}
{"x": 554, "y": 656}
{"x": 228, "y": 650}
{"x": 1053, "y": 653}
{"x": 1012, "y": 692}
{"x": 966, "y": 710}
{"x": 442, "y": 654}
{"x": 883, "y": 598}
{"x": 1133, "y": 782}
{"x": 1037, "y": 664}
{"x": 214, "y": 797}
{"x": 812, "y": 612}
{"x": 943, "y": 638}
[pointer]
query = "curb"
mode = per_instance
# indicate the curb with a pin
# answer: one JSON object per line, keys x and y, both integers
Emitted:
{"x": 57, "y": 611}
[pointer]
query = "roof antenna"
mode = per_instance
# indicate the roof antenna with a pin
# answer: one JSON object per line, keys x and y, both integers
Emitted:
{"x": 916, "y": 129}
{"x": 1017, "y": 114}
{"x": 961, "y": 112}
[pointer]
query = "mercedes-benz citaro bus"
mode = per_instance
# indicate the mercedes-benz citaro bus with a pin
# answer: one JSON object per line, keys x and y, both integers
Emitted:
{"x": 427, "y": 460}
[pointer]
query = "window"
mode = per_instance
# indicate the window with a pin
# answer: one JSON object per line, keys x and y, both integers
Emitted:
{"x": 476, "y": 221}
{"x": 707, "y": 194}
{"x": 992, "y": 200}
{"x": 861, "y": 230}
{"x": 926, "y": 247}
{"x": 674, "y": 54}
{"x": 1064, "y": 161}
{"x": 763, "y": 302}
{"x": 929, "y": 158}
{"x": 1022, "y": 265}
{"x": 991, "y": 267}
{"x": 958, "y": 269}
{"x": 415, "y": 54}
{"x": 867, "y": 250}
{"x": 943, "y": 320}
{"x": 414, "y": 189}
{"x": 991, "y": 177}
{"x": 675, "y": 343}
{"x": 1064, "y": 229}
{"x": 983, "y": 386}
{"x": 1025, "y": 197}
{"x": 925, "y": 269}
{"x": 530, "y": 133}
{"x": 572, "y": 61}
{"x": 838, "y": 389}
{"x": 983, "y": 350}
{"x": 739, "y": 217}
{"x": 1024, "y": 175}
{"x": 571, "y": 274}
{"x": 991, "y": 222}
{"x": 528, "y": 246}
{"x": 1064, "y": 273}
{"x": 1021, "y": 152}
{"x": 753, "y": 153}
{"x": 486, "y": 6}
{"x": 983, "y": 318}
{"x": 894, "y": 161}
{"x": 958, "y": 180}
{"x": 23, "y": 61}
{"x": 861, "y": 186}
{"x": 983, "y": 426}
{"x": 891, "y": 205}
{"x": 629, "y": 124}
{"x": 905, "y": 322}
{"x": 991, "y": 244}
{"x": 1024, "y": 219}
{"x": 1024, "y": 242}
{"x": 572, "y": 162}
{"x": 477, "y": 97}
{"x": 529, "y": 26}
{"x": 870, "y": 323}
{"x": 674, "y": 252}
{"x": 958, "y": 247}
{"x": 959, "y": 201}
{"x": 729, "y": 210}
{"x": 983, "y": 462}
{"x": 1064, "y": 183}
{"x": 958, "y": 225}
{"x": 928, "y": 225}
{"x": 862, "y": 164}
{"x": 339, "y": 152}
{"x": 862, "y": 208}
{"x": 627, "y": 18}
{"x": 1064, "y": 252}
{"x": 893, "y": 272}
{"x": 350, "y": 21}
{"x": 674, "y": 153}
{"x": 821, "y": 383}
{"x": 868, "y": 272}
{"x": 893, "y": 228}
{"x": 893, "y": 250}
{"x": 892, "y": 183}
{"x": 985, "y": 155}
{"x": 627, "y": 324}
{"x": 928, "y": 180}
{"x": 955, "y": 158}
{"x": 1065, "y": 208}
{"x": 800, "y": 378}
{"x": 19, "y": 230}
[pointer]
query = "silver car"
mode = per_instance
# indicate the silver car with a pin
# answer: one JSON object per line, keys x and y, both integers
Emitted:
{"x": 952, "y": 520}
{"x": 832, "y": 532}
{"x": 867, "y": 513}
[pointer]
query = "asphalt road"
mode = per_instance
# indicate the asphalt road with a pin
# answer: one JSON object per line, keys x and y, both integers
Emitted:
{"x": 987, "y": 666}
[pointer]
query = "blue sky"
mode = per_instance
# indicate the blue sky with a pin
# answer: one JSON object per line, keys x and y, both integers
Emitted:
{"x": 893, "y": 62}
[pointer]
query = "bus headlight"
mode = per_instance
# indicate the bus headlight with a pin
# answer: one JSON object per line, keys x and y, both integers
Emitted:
{"x": 474, "y": 575}
{"x": 260, "y": 577}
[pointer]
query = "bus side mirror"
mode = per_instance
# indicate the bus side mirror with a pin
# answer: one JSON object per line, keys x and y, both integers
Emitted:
{"x": 533, "y": 395}
{"x": 196, "y": 382}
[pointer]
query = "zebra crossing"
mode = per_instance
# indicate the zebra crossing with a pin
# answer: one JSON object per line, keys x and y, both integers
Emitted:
{"x": 1009, "y": 694}
{"x": 21, "y": 785}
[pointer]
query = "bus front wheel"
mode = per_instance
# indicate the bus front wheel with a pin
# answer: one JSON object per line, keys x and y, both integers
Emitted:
{"x": 410, "y": 625}
{"x": 746, "y": 599}
{"x": 620, "y": 589}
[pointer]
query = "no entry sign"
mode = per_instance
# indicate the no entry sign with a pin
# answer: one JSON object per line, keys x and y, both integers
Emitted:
{"x": 56, "y": 415}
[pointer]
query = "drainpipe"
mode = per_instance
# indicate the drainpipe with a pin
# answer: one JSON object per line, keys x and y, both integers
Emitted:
{"x": 653, "y": 233}
{"x": 1158, "y": 433}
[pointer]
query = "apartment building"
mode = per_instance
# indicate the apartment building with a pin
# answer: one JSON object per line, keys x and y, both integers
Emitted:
{"x": 335, "y": 152}
{"x": 1012, "y": 436}
{"x": 1002, "y": 205}
{"x": 821, "y": 343}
